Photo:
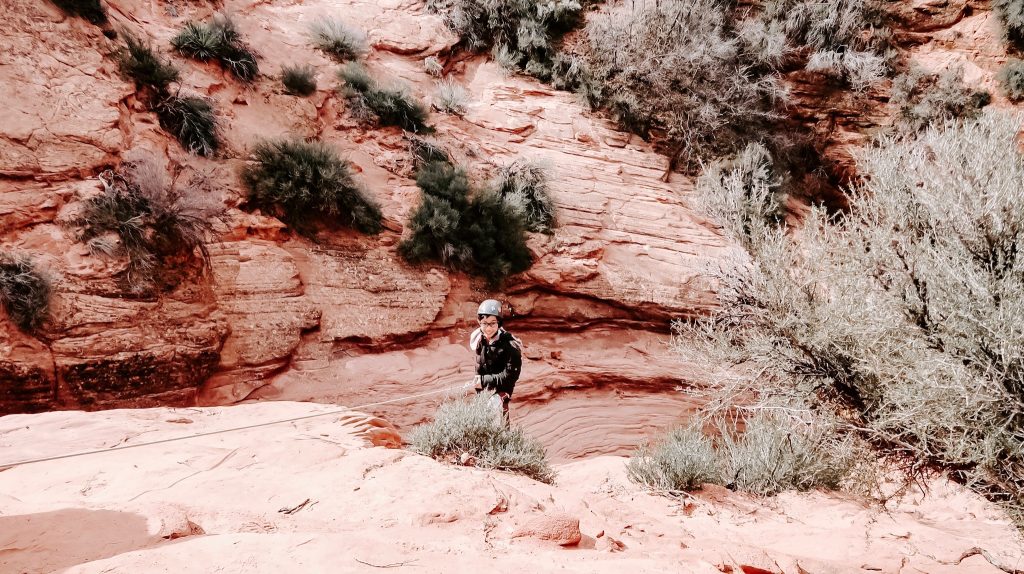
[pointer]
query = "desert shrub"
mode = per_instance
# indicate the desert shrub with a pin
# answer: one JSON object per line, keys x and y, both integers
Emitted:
{"x": 859, "y": 70}
{"x": 768, "y": 453}
{"x": 299, "y": 80}
{"x": 473, "y": 427}
{"x": 154, "y": 222}
{"x": 24, "y": 292}
{"x": 1011, "y": 78}
{"x": 192, "y": 120}
{"x": 525, "y": 31}
{"x": 137, "y": 62}
{"x": 1011, "y": 13}
{"x": 678, "y": 66}
{"x": 903, "y": 316}
{"x": 523, "y": 184}
{"x": 218, "y": 40}
{"x": 91, "y": 10}
{"x": 451, "y": 98}
{"x": 477, "y": 233}
{"x": 921, "y": 98}
{"x": 433, "y": 66}
{"x": 337, "y": 39}
{"x": 775, "y": 453}
{"x": 300, "y": 179}
{"x": 389, "y": 106}
{"x": 427, "y": 150}
{"x": 682, "y": 461}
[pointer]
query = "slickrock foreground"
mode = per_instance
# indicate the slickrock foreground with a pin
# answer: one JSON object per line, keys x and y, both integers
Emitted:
{"x": 315, "y": 495}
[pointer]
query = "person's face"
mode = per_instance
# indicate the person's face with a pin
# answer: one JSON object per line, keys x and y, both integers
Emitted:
{"x": 489, "y": 325}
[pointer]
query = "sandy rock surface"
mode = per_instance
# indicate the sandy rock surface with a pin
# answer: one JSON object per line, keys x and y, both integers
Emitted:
{"x": 314, "y": 495}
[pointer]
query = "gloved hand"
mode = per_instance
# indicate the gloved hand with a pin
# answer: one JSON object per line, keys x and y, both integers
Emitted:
{"x": 475, "y": 383}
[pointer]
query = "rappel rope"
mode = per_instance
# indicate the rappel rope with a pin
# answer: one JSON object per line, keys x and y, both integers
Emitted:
{"x": 5, "y": 466}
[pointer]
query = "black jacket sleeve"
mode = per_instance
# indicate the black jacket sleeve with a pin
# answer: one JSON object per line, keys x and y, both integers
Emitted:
{"x": 505, "y": 381}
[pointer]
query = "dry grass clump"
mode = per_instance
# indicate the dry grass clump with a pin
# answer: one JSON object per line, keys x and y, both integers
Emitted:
{"x": 299, "y": 80}
{"x": 474, "y": 427}
{"x": 388, "y": 106}
{"x": 24, "y": 291}
{"x": 338, "y": 40}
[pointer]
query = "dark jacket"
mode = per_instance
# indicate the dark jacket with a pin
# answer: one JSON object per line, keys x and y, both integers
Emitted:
{"x": 499, "y": 363}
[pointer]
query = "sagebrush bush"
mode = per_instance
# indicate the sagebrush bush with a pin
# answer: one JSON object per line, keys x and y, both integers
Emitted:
{"x": 477, "y": 233}
{"x": 859, "y": 70}
{"x": 154, "y": 222}
{"x": 24, "y": 292}
{"x": 682, "y": 461}
{"x": 775, "y": 453}
{"x": 299, "y": 80}
{"x": 767, "y": 454}
{"x": 1011, "y": 78}
{"x": 526, "y": 32}
{"x": 192, "y": 120}
{"x": 474, "y": 427}
{"x": 91, "y": 10}
{"x": 523, "y": 184}
{"x": 922, "y": 98}
{"x": 301, "y": 180}
{"x": 137, "y": 62}
{"x": 1011, "y": 13}
{"x": 218, "y": 40}
{"x": 338, "y": 40}
{"x": 679, "y": 66}
{"x": 450, "y": 97}
{"x": 903, "y": 316}
{"x": 389, "y": 106}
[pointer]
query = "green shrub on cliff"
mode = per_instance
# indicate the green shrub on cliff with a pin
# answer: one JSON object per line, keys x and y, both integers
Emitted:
{"x": 1011, "y": 78}
{"x": 1011, "y": 13}
{"x": 137, "y": 62}
{"x": 473, "y": 427}
{"x": 192, "y": 120}
{"x": 523, "y": 184}
{"x": 388, "y": 106}
{"x": 478, "y": 233}
{"x": 524, "y": 32}
{"x": 218, "y": 40}
{"x": 91, "y": 10}
{"x": 299, "y": 180}
{"x": 24, "y": 292}
{"x": 299, "y": 80}
{"x": 139, "y": 215}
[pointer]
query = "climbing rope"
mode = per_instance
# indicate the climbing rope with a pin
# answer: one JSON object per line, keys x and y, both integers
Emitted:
{"x": 7, "y": 466}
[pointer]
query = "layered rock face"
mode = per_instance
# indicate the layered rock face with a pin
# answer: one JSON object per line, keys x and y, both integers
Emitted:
{"x": 344, "y": 319}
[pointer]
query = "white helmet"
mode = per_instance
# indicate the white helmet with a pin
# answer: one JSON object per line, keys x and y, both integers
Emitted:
{"x": 490, "y": 307}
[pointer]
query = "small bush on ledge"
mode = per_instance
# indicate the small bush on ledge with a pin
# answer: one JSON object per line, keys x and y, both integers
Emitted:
{"x": 473, "y": 427}
{"x": 337, "y": 39}
{"x": 218, "y": 40}
{"x": 1011, "y": 77}
{"x": 390, "y": 106}
{"x": 300, "y": 179}
{"x": 137, "y": 62}
{"x": 523, "y": 184}
{"x": 24, "y": 292}
{"x": 192, "y": 120}
{"x": 479, "y": 234}
{"x": 140, "y": 215}
{"x": 91, "y": 10}
{"x": 299, "y": 80}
